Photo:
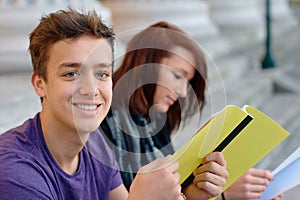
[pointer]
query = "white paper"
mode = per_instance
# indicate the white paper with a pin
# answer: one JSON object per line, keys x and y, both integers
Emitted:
{"x": 295, "y": 155}
{"x": 286, "y": 176}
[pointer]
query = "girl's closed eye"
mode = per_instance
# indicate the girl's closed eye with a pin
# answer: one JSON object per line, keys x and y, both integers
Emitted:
{"x": 177, "y": 75}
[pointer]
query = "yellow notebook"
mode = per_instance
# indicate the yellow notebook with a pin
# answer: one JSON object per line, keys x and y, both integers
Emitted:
{"x": 244, "y": 136}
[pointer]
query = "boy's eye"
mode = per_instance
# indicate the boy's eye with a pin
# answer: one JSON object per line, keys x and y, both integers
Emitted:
{"x": 102, "y": 75}
{"x": 72, "y": 74}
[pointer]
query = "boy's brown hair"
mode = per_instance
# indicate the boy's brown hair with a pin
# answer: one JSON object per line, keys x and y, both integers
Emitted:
{"x": 62, "y": 25}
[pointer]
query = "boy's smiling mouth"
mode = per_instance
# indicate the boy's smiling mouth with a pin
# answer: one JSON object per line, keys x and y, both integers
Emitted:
{"x": 85, "y": 106}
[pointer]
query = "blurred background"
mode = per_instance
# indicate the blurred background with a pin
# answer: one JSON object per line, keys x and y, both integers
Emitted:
{"x": 252, "y": 49}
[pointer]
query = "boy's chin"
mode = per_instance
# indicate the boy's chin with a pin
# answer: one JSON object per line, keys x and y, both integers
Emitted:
{"x": 87, "y": 126}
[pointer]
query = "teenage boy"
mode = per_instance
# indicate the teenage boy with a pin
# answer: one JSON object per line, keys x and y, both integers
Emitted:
{"x": 46, "y": 157}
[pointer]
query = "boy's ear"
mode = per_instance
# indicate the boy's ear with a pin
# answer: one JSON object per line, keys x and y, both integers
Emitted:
{"x": 38, "y": 84}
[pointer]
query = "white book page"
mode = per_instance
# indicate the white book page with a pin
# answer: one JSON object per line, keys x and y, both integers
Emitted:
{"x": 286, "y": 176}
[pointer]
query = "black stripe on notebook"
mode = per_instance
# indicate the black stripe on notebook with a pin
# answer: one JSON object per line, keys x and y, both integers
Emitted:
{"x": 222, "y": 145}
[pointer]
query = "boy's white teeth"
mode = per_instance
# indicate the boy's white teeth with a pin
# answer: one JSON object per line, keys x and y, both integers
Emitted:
{"x": 86, "y": 107}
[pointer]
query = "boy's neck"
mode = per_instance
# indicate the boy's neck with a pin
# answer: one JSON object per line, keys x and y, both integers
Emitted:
{"x": 67, "y": 158}
{"x": 63, "y": 145}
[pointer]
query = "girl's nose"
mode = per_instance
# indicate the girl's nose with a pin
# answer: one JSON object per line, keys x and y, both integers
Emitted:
{"x": 181, "y": 90}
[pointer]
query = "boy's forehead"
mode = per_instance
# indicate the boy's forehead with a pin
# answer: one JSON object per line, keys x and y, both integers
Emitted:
{"x": 87, "y": 41}
{"x": 83, "y": 48}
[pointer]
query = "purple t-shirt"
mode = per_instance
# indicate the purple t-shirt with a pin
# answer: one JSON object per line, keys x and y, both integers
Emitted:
{"x": 28, "y": 171}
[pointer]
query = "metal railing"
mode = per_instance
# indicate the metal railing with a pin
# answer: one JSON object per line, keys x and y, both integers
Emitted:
{"x": 268, "y": 61}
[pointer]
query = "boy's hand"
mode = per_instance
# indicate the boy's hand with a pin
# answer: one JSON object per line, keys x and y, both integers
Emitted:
{"x": 157, "y": 180}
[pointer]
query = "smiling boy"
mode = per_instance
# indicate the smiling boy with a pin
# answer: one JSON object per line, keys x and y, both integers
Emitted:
{"x": 46, "y": 157}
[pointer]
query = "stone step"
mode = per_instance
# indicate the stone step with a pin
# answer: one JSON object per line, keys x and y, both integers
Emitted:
{"x": 226, "y": 69}
{"x": 286, "y": 50}
{"x": 244, "y": 55}
{"x": 284, "y": 108}
{"x": 18, "y": 100}
{"x": 252, "y": 89}
{"x": 288, "y": 78}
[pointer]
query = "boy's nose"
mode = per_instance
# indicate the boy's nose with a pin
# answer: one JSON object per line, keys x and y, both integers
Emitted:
{"x": 87, "y": 85}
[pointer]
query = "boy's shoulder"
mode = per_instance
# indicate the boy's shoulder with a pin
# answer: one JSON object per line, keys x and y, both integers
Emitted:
{"x": 21, "y": 162}
{"x": 21, "y": 136}
{"x": 21, "y": 142}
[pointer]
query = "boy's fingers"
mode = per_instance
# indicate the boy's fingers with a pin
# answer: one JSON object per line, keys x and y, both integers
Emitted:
{"x": 160, "y": 163}
{"x": 215, "y": 157}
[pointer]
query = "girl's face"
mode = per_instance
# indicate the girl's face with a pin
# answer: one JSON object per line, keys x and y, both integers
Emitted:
{"x": 174, "y": 75}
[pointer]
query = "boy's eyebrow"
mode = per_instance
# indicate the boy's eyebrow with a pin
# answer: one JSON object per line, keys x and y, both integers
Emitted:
{"x": 104, "y": 65}
{"x": 72, "y": 65}
{"x": 77, "y": 65}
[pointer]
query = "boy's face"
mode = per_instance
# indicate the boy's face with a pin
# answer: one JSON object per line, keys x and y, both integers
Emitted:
{"x": 78, "y": 91}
